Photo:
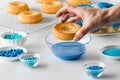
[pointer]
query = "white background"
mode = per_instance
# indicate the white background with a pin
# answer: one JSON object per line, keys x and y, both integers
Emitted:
{"x": 53, "y": 68}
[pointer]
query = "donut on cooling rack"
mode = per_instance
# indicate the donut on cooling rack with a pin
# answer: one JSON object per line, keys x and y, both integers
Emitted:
{"x": 30, "y": 17}
{"x": 16, "y": 7}
{"x": 41, "y": 1}
{"x": 65, "y": 31}
{"x": 51, "y": 7}
{"x": 77, "y": 2}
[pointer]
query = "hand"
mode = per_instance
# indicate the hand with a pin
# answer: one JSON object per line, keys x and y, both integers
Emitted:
{"x": 92, "y": 18}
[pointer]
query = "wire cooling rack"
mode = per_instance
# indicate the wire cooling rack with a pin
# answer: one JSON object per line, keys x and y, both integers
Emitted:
{"x": 10, "y": 21}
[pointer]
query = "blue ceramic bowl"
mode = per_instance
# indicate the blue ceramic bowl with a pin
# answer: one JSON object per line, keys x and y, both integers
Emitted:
{"x": 67, "y": 50}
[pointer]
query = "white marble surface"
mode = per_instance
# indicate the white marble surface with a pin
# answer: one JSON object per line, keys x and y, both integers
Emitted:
{"x": 53, "y": 68}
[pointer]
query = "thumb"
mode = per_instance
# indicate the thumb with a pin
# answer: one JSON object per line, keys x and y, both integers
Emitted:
{"x": 82, "y": 32}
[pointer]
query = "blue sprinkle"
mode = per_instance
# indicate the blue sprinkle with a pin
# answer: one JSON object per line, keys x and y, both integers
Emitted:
{"x": 104, "y": 5}
{"x": 94, "y": 70}
{"x": 30, "y": 61}
{"x": 13, "y": 36}
{"x": 112, "y": 52}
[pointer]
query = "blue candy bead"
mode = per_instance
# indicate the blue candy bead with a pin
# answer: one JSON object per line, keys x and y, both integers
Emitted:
{"x": 104, "y": 5}
{"x": 11, "y": 52}
{"x": 13, "y": 36}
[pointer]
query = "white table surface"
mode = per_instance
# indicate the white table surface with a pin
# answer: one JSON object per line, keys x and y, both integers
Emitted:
{"x": 53, "y": 68}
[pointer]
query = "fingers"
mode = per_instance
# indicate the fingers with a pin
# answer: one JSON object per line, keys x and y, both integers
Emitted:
{"x": 61, "y": 12}
{"x": 74, "y": 19}
{"x": 65, "y": 17}
{"x": 82, "y": 32}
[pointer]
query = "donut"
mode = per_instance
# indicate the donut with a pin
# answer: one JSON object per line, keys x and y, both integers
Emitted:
{"x": 77, "y": 2}
{"x": 16, "y": 7}
{"x": 30, "y": 17}
{"x": 65, "y": 31}
{"x": 41, "y": 1}
{"x": 51, "y": 7}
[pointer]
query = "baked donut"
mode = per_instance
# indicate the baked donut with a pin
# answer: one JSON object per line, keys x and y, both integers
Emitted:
{"x": 16, "y": 7}
{"x": 41, "y": 1}
{"x": 77, "y": 2}
{"x": 29, "y": 17}
{"x": 51, "y": 7}
{"x": 65, "y": 31}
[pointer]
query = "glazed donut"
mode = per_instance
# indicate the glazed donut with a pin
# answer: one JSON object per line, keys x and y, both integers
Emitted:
{"x": 41, "y": 1}
{"x": 16, "y": 7}
{"x": 65, "y": 31}
{"x": 51, "y": 7}
{"x": 29, "y": 17}
{"x": 77, "y": 2}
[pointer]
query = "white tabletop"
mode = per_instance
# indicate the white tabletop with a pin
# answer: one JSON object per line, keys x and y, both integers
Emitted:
{"x": 53, "y": 68}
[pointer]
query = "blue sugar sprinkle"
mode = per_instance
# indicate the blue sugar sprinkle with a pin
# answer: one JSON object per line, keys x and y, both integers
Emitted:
{"x": 104, "y": 5}
{"x": 94, "y": 70}
{"x": 112, "y": 52}
{"x": 11, "y": 52}
{"x": 68, "y": 48}
{"x": 13, "y": 36}
{"x": 30, "y": 61}
{"x": 94, "y": 67}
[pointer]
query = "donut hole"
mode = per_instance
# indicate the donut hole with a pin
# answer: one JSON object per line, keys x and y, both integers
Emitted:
{"x": 66, "y": 28}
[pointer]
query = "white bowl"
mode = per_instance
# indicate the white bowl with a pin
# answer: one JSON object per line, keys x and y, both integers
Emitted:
{"x": 14, "y": 42}
{"x": 110, "y": 56}
{"x": 12, "y": 58}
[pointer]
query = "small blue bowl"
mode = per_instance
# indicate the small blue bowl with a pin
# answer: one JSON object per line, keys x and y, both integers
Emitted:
{"x": 104, "y": 5}
{"x": 67, "y": 50}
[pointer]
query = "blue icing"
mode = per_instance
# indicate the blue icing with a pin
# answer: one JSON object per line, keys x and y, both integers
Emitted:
{"x": 68, "y": 50}
{"x": 94, "y": 70}
{"x": 104, "y": 5}
{"x": 117, "y": 24}
{"x": 112, "y": 52}
{"x": 79, "y": 22}
{"x": 85, "y": 5}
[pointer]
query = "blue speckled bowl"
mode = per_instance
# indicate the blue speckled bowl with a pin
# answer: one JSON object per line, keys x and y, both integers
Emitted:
{"x": 67, "y": 50}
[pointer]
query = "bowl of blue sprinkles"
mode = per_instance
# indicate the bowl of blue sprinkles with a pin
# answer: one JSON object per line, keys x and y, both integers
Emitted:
{"x": 67, "y": 50}
{"x": 94, "y": 69}
{"x": 14, "y": 38}
{"x": 111, "y": 52}
{"x": 11, "y": 53}
{"x": 30, "y": 60}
